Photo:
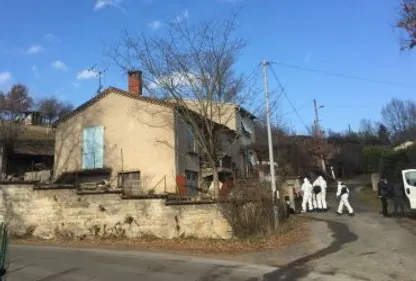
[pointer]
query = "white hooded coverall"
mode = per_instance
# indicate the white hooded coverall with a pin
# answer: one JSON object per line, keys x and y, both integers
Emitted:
{"x": 320, "y": 198}
{"x": 307, "y": 195}
{"x": 344, "y": 199}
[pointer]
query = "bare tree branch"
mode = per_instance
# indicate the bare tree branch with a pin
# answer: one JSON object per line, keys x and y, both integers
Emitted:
{"x": 193, "y": 66}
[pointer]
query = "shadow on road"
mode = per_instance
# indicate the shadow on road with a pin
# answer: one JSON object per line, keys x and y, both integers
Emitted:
{"x": 298, "y": 268}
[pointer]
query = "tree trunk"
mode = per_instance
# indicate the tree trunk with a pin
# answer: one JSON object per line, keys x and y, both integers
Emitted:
{"x": 216, "y": 181}
{"x": 2, "y": 161}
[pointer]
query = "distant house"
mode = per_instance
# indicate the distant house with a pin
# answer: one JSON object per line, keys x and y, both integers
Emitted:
{"x": 403, "y": 146}
{"x": 33, "y": 150}
{"x": 32, "y": 118}
{"x": 131, "y": 140}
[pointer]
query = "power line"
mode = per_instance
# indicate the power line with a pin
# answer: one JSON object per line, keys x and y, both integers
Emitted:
{"x": 298, "y": 108}
{"x": 283, "y": 89}
{"x": 340, "y": 75}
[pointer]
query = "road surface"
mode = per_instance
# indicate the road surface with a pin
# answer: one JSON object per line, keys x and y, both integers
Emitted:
{"x": 35, "y": 263}
{"x": 361, "y": 248}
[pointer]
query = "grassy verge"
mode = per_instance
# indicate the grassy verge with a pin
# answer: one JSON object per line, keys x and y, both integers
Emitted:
{"x": 292, "y": 232}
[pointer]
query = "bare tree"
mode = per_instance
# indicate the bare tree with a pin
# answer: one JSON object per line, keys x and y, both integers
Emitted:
{"x": 12, "y": 105}
{"x": 367, "y": 127}
{"x": 65, "y": 109}
{"x": 383, "y": 134}
{"x": 400, "y": 118}
{"x": 52, "y": 108}
{"x": 407, "y": 22}
{"x": 15, "y": 102}
{"x": 49, "y": 107}
{"x": 192, "y": 66}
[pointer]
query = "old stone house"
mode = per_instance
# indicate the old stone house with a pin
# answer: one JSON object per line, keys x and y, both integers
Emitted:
{"x": 126, "y": 137}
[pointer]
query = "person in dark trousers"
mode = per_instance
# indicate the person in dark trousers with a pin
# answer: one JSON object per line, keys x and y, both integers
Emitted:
{"x": 399, "y": 198}
{"x": 2, "y": 272}
{"x": 383, "y": 192}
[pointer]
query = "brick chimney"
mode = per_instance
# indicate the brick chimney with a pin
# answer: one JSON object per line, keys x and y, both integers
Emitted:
{"x": 135, "y": 82}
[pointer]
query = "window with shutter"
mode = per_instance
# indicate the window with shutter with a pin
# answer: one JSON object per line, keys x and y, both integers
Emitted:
{"x": 93, "y": 148}
{"x": 190, "y": 138}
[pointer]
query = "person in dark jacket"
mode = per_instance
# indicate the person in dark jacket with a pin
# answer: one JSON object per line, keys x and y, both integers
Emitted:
{"x": 399, "y": 198}
{"x": 383, "y": 192}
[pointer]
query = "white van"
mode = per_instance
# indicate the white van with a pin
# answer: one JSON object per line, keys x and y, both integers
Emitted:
{"x": 409, "y": 180}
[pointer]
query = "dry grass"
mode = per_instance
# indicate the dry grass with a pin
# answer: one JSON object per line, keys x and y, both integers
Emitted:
{"x": 292, "y": 232}
{"x": 37, "y": 133}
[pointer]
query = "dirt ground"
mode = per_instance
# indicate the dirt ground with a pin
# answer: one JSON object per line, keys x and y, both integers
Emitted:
{"x": 293, "y": 231}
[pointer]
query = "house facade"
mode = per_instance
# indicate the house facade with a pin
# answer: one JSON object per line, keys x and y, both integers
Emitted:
{"x": 130, "y": 138}
{"x": 241, "y": 157}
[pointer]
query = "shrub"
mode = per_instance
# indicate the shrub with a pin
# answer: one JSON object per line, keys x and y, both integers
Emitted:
{"x": 393, "y": 162}
{"x": 250, "y": 210}
{"x": 372, "y": 156}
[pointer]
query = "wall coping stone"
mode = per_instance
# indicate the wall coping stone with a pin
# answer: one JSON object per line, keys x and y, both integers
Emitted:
{"x": 19, "y": 182}
{"x": 149, "y": 196}
{"x": 98, "y": 192}
{"x": 54, "y": 186}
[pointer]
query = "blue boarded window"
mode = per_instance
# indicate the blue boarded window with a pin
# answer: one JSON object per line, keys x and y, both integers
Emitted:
{"x": 93, "y": 148}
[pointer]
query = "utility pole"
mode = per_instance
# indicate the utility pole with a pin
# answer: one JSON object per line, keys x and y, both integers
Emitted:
{"x": 275, "y": 194}
{"x": 317, "y": 129}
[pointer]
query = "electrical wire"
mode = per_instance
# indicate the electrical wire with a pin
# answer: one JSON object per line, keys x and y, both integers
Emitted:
{"x": 283, "y": 90}
{"x": 340, "y": 75}
{"x": 298, "y": 108}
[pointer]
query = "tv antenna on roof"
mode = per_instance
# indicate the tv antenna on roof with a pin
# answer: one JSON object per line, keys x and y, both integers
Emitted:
{"x": 99, "y": 72}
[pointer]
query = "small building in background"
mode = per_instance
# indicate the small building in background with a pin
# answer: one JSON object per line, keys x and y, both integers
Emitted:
{"x": 33, "y": 118}
{"x": 32, "y": 151}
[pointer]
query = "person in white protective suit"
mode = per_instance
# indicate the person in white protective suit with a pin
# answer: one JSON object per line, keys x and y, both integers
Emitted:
{"x": 343, "y": 193}
{"x": 307, "y": 195}
{"x": 316, "y": 193}
{"x": 320, "y": 198}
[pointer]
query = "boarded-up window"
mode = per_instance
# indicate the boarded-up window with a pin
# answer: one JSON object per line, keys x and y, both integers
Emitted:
{"x": 130, "y": 182}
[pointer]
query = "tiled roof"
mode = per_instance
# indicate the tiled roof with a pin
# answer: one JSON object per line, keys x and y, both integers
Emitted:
{"x": 106, "y": 92}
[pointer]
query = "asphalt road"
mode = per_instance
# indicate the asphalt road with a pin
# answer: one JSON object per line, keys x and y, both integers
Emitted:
{"x": 34, "y": 263}
{"x": 362, "y": 248}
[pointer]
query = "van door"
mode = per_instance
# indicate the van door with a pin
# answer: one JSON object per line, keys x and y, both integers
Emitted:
{"x": 409, "y": 180}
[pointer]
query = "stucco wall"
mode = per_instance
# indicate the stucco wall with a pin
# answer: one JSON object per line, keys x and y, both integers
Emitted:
{"x": 137, "y": 136}
{"x": 222, "y": 113}
{"x": 49, "y": 214}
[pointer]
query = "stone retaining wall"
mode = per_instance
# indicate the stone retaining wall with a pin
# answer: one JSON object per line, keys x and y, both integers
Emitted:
{"x": 55, "y": 213}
